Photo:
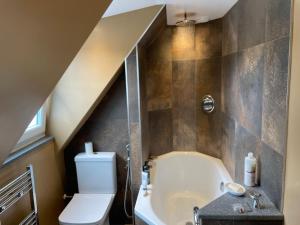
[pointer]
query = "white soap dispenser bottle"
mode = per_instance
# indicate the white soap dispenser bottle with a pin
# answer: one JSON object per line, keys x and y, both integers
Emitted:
{"x": 249, "y": 170}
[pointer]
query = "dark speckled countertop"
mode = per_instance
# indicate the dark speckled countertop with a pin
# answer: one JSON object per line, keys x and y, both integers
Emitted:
{"x": 222, "y": 208}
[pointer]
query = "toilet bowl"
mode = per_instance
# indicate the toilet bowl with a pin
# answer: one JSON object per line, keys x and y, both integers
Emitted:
{"x": 87, "y": 209}
{"x": 97, "y": 184}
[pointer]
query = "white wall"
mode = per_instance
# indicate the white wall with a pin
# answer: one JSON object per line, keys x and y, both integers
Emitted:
{"x": 93, "y": 71}
{"x": 123, "y": 6}
{"x": 38, "y": 40}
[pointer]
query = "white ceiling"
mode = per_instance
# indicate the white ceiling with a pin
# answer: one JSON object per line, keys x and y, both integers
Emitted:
{"x": 199, "y": 10}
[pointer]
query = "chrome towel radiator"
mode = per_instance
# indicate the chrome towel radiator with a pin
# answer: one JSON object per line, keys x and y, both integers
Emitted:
{"x": 15, "y": 190}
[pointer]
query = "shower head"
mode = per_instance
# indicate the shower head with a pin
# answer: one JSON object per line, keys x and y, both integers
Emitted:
{"x": 185, "y": 21}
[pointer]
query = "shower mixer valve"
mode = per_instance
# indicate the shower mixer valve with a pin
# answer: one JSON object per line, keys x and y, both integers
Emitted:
{"x": 208, "y": 104}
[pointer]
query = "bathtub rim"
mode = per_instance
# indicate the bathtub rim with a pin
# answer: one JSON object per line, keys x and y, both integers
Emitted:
{"x": 143, "y": 207}
{"x": 224, "y": 172}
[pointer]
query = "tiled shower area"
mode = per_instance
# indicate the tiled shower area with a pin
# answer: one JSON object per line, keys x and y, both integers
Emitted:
{"x": 241, "y": 60}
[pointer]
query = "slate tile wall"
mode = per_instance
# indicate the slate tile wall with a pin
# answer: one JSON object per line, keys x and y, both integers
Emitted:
{"x": 241, "y": 222}
{"x": 182, "y": 64}
{"x": 255, "y": 65}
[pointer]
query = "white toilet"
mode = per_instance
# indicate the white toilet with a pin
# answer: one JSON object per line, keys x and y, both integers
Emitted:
{"x": 97, "y": 184}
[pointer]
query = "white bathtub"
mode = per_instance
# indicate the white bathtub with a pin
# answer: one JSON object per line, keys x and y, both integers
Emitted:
{"x": 179, "y": 182}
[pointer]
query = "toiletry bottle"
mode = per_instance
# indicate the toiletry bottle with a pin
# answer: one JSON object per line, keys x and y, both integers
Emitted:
{"x": 144, "y": 180}
{"x": 146, "y": 168}
{"x": 145, "y": 175}
{"x": 249, "y": 170}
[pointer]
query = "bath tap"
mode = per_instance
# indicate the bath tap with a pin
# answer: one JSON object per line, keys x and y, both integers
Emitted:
{"x": 197, "y": 220}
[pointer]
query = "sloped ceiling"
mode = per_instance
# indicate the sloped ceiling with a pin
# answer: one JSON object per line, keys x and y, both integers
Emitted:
{"x": 199, "y": 10}
{"x": 39, "y": 39}
{"x": 93, "y": 71}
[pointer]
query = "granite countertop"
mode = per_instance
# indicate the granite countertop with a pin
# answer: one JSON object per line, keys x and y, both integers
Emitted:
{"x": 222, "y": 208}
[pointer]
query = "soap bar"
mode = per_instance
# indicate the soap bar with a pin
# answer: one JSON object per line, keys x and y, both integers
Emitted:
{"x": 235, "y": 189}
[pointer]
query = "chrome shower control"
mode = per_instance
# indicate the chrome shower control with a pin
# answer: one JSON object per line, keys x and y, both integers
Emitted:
{"x": 208, "y": 104}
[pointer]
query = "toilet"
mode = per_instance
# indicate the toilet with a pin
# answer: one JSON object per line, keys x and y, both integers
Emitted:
{"x": 97, "y": 185}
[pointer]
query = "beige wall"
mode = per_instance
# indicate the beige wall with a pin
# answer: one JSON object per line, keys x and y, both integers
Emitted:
{"x": 292, "y": 182}
{"x": 49, "y": 185}
{"x": 93, "y": 71}
{"x": 38, "y": 41}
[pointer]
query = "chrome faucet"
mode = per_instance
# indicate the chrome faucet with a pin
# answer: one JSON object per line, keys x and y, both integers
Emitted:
{"x": 197, "y": 220}
{"x": 256, "y": 199}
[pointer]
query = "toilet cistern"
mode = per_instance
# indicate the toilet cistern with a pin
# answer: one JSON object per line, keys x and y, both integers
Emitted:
{"x": 97, "y": 185}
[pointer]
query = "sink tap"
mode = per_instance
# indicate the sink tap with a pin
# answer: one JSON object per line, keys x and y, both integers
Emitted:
{"x": 256, "y": 200}
{"x": 197, "y": 220}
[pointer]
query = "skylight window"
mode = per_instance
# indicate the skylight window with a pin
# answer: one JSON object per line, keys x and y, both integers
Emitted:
{"x": 33, "y": 123}
{"x": 34, "y": 131}
{"x": 36, "y": 121}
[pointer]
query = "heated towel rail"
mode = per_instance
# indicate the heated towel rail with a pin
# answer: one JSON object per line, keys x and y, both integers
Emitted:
{"x": 11, "y": 193}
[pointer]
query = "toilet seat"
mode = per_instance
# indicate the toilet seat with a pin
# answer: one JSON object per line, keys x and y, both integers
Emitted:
{"x": 87, "y": 209}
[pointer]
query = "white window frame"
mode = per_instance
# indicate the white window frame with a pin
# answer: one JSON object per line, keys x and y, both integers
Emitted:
{"x": 34, "y": 133}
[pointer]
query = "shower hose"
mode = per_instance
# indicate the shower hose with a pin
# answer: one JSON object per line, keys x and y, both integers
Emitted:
{"x": 126, "y": 188}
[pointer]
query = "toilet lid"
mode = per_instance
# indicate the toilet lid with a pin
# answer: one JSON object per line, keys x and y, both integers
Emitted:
{"x": 86, "y": 209}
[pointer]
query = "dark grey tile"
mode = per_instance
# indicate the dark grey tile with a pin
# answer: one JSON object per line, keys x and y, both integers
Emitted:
{"x": 184, "y": 106}
{"x": 278, "y": 19}
{"x": 197, "y": 42}
{"x": 255, "y": 88}
{"x": 275, "y": 94}
{"x": 143, "y": 109}
{"x": 135, "y": 159}
{"x": 161, "y": 46}
{"x": 157, "y": 69}
{"x": 208, "y": 78}
{"x": 183, "y": 43}
{"x": 230, "y": 31}
{"x": 228, "y": 144}
{"x": 217, "y": 222}
{"x": 230, "y": 86}
{"x": 208, "y": 81}
{"x": 251, "y": 69}
{"x": 208, "y": 39}
{"x": 251, "y": 23}
{"x": 252, "y": 11}
{"x": 241, "y": 222}
{"x": 244, "y": 142}
{"x": 250, "y": 35}
{"x": 271, "y": 174}
{"x": 159, "y": 84}
{"x": 160, "y": 129}
{"x": 132, "y": 84}
{"x": 170, "y": 85}
{"x": 258, "y": 222}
